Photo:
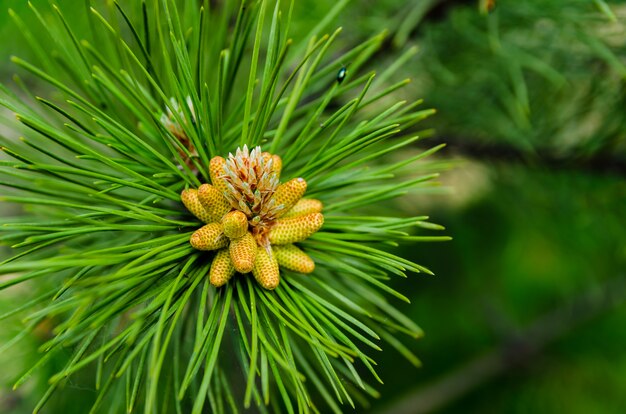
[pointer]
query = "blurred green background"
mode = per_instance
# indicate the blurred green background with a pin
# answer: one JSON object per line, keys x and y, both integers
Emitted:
{"x": 526, "y": 313}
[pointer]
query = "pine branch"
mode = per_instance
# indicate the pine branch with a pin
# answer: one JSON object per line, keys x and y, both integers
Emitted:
{"x": 495, "y": 151}
{"x": 517, "y": 350}
{"x": 114, "y": 171}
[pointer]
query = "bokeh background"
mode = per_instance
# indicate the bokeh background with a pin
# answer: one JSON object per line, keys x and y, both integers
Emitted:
{"x": 527, "y": 310}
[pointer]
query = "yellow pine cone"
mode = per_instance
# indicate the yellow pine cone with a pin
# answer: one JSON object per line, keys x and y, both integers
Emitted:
{"x": 277, "y": 165}
{"x": 277, "y": 162}
{"x": 243, "y": 252}
{"x": 295, "y": 229}
{"x": 213, "y": 202}
{"x": 216, "y": 170}
{"x": 209, "y": 237}
{"x": 246, "y": 186}
{"x": 304, "y": 206}
{"x": 291, "y": 257}
{"x": 191, "y": 201}
{"x": 235, "y": 224}
{"x": 265, "y": 269}
{"x": 222, "y": 268}
{"x": 289, "y": 193}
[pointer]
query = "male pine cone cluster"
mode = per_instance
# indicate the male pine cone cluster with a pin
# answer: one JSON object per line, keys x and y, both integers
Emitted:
{"x": 252, "y": 220}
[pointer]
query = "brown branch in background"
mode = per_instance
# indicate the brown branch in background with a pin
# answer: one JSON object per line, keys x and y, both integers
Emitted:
{"x": 513, "y": 353}
{"x": 597, "y": 163}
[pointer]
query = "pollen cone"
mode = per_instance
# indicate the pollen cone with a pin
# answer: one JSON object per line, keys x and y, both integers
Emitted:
{"x": 289, "y": 193}
{"x": 235, "y": 224}
{"x": 277, "y": 163}
{"x": 295, "y": 229}
{"x": 304, "y": 206}
{"x": 292, "y": 258}
{"x": 222, "y": 268}
{"x": 216, "y": 171}
{"x": 209, "y": 237}
{"x": 265, "y": 269}
{"x": 191, "y": 201}
{"x": 213, "y": 202}
{"x": 243, "y": 252}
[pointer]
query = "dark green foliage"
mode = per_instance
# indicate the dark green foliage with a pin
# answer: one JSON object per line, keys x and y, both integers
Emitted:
{"x": 535, "y": 77}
